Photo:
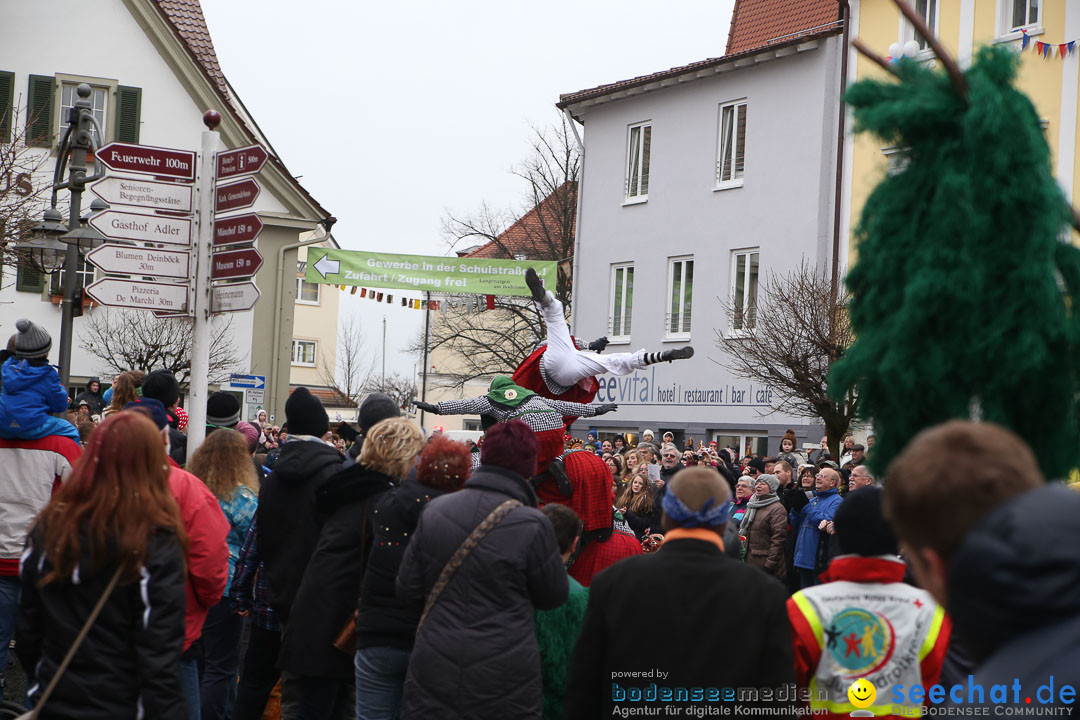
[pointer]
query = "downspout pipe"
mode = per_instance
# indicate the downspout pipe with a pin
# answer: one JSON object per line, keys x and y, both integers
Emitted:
{"x": 325, "y": 226}
{"x": 841, "y": 128}
{"x": 577, "y": 219}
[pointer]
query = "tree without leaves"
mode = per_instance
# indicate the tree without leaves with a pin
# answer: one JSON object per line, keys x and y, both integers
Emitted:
{"x": 347, "y": 372}
{"x": 398, "y": 387}
{"x": 139, "y": 340}
{"x": 800, "y": 329}
{"x": 24, "y": 191}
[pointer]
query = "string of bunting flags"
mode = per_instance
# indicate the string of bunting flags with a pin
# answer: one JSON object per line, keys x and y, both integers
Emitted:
{"x": 1047, "y": 50}
{"x": 474, "y": 303}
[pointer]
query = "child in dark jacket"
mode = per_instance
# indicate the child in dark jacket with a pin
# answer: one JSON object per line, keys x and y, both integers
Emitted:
{"x": 31, "y": 389}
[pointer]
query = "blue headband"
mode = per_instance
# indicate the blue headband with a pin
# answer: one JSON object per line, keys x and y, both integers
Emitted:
{"x": 707, "y": 516}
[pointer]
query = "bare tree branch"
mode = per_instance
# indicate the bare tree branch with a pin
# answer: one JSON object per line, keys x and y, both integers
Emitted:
{"x": 799, "y": 329}
{"x": 24, "y": 192}
{"x": 398, "y": 387}
{"x": 139, "y": 340}
{"x": 350, "y": 369}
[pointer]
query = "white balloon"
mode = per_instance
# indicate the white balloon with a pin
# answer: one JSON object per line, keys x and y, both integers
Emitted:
{"x": 895, "y": 50}
{"x": 911, "y": 48}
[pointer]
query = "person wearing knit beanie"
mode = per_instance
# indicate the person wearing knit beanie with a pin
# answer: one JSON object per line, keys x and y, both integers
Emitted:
{"x": 305, "y": 414}
{"x": 861, "y": 527}
{"x": 31, "y": 389}
{"x": 161, "y": 385}
{"x": 222, "y": 410}
{"x": 511, "y": 445}
{"x": 32, "y": 341}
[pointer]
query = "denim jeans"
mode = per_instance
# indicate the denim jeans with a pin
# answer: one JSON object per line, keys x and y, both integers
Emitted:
{"x": 9, "y": 606}
{"x": 221, "y": 661}
{"x": 189, "y": 684}
{"x": 380, "y": 680}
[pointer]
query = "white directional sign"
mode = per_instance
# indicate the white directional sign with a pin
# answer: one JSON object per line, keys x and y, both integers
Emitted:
{"x": 144, "y": 193}
{"x": 139, "y": 294}
{"x": 234, "y": 298}
{"x": 254, "y": 382}
{"x": 143, "y": 228}
{"x": 128, "y": 260}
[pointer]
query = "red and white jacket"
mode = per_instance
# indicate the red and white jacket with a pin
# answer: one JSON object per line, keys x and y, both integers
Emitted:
{"x": 865, "y": 622}
{"x": 30, "y": 472}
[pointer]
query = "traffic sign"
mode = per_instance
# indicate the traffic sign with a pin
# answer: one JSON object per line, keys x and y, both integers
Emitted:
{"x": 163, "y": 162}
{"x": 242, "y": 161}
{"x": 235, "y": 196}
{"x": 235, "y": 263}
{"x": 237, "y": 229}
{"x": 119, "y": 225}
{"x": 253, "y": 382}
{"x": 144, "y": 193}
{"x": 140, "y": 294}
{"x": 128, "y": 260}
{"x": 235, "y": 297}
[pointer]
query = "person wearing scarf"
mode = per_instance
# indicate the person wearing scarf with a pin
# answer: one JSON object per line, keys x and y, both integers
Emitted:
{"x": 765, "y": 527}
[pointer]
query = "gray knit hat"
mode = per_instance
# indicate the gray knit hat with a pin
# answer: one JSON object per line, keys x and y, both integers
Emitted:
{"x": 222, "y": 409}
{"x": 33, "y": 341}
{"x": 772, "y": 480}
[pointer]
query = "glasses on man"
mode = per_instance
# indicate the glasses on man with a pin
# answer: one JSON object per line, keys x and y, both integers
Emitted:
{"x": 668, "y": 456}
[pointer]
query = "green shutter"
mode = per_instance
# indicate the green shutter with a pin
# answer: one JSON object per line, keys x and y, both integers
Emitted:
{"x": 29, "y": 278}
{"x": 128, "y": 109}
{"x": 39, "y": 111}
{"x": 7, "y": 98}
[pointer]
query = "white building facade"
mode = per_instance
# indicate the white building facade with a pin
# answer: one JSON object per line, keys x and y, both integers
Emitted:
{"x": 696, "y": 184}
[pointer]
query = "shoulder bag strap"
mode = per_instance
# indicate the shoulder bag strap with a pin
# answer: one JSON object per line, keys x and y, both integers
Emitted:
{"x": 458, "y": 558}
{"x": 75, "y": 645}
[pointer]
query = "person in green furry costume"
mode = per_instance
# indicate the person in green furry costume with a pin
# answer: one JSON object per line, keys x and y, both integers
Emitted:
{"x": 963, "y": 299}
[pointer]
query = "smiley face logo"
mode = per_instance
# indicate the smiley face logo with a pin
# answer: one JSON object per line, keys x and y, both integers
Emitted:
{"x": 862, "y": 693}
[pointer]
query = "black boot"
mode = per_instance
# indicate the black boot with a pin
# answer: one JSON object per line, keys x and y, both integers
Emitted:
{"x": 598, "y": 344}
{"x": 536, "y": 286}
{"x": 668, "y": 355}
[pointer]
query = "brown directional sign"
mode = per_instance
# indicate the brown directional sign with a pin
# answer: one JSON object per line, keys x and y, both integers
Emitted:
{"x": 237, "y": 229}
{"x": 235, "y": 263}
{"x": 235, "y": 196}
{"x": 242, "y": 161}
{"x": 163, "y": 162}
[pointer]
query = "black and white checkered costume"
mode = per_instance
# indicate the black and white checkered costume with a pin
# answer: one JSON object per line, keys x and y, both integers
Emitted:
{"x": 539, "y": 413}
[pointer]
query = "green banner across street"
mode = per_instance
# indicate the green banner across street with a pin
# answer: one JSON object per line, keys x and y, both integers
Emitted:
{"x": 478, "y": 276}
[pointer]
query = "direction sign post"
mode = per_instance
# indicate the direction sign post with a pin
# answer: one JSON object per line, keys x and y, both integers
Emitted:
{"x": 253, "y": 382}
{"x": 162, "y": 162}
{"x": 242, "y": 161}
{"x": 144, "y": 262}
{"x": 164, "y": 229}
{"x": 234, "y": 297}
{"x": 236, "y": 264}
{"x": 237, "y": 229}
{"x": 237, "y": 195}
{"x": 175, "y": 197}
{"x": 117, "y": 292}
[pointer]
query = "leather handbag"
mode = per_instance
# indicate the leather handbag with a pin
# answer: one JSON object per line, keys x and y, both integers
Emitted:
{"x": 458, "y": 558}
{"x": 32, "y": 715}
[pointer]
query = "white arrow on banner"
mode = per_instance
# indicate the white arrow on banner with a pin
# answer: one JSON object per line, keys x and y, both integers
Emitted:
{"x": 326, "y": 266}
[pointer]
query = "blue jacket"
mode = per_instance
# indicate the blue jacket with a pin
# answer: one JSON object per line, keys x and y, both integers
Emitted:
{"x": 822, "y": 507}
{"x": 30, "y": 391}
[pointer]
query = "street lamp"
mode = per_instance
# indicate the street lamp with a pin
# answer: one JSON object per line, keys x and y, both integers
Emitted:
{"x": 55, "y": 245}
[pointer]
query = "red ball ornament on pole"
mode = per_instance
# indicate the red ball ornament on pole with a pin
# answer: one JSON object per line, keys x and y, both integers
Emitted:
{"x": 211, "y": 119}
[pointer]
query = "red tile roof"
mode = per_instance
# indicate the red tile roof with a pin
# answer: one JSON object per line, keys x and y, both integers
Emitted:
{"x": 187, "y": 19}
{"x": 532, "y": 234}
{"x": 329, "y": 397}
{"x": 758, "y": 23}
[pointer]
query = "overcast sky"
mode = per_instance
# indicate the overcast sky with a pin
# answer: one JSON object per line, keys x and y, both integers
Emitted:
{"x": 393, "y": 113}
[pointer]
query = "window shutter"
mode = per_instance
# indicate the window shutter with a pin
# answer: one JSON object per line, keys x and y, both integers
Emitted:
{"x": 128, "y": 110}
{"x": 29, "y": 278}
{"x": 7, "y": 98}
{"x": 39, "y": 115}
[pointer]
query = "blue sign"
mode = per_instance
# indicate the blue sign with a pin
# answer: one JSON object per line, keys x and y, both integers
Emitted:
{"x": 253, "y": 382}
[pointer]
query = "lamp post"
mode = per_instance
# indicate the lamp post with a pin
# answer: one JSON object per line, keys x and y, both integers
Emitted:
{"x": 53, "y": 240}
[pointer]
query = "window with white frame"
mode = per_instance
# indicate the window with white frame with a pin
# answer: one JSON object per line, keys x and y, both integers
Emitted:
{"x": 897, "y": 158}
{"x": 307, "y": 293}
{"x": 1015, "y": 16}
{"x": 637, "y": 162}
{"x": 680, "y": 294}
{"x": 84, "y": 277}
{"x": 732, "y": 145}
{"x": 99, "y": 98}
{"x": 744, "y": 289}
{"x": 303, "y": 352}
{"x": 622, "y": 301}
{"x": 928, "y": 11}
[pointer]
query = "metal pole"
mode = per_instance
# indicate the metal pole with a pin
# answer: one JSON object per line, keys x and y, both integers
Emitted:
{"x": 423, "y": 375}
{"x": 200, "y": 344}
{"x": 82, "y": 118}
{"x": 384, "y": 353}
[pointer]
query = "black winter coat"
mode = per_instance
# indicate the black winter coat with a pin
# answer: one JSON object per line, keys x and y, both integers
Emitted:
{"x": 326, "y": 599}
{"x": 131, "y": 656}
{"x": 289, "y": 522}
{"x": 94, "y": 400}
{"x": 476, "y": 655}
{"x": 695, "y": 578}
{"x": 384, "y": 620}
{"x": 1025, "y": 555}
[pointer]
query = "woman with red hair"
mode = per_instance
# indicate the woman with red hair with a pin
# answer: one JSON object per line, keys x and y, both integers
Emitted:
{"x": 114, "y": 516}
{"x": 385, "y": 628}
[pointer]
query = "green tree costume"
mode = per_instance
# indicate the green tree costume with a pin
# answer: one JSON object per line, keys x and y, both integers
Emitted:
{"x": 963, "y": 296}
